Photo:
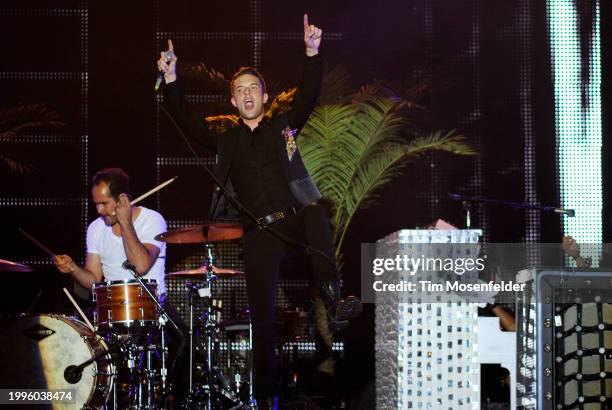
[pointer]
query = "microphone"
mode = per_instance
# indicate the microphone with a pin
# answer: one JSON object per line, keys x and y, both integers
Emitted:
{"x": 128, "y": 266}
{"x": 160, "y": 75}
{"x": 73, "y": 374}
{"x": 569, "y": 212}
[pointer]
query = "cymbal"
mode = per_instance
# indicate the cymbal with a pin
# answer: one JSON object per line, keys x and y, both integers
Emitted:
{"x": 8, "y": 266}
{"x": 195, "y": 234}
{"x": 202, "y": 270}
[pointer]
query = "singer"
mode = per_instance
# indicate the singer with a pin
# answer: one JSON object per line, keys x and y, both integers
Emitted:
{"x": 259, "y": 155}
{"x": 121, "y": 233}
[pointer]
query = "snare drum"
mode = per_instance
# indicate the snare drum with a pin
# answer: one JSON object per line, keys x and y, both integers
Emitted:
{"x": 124, "y": 303}
{"x": 36, "y": 350}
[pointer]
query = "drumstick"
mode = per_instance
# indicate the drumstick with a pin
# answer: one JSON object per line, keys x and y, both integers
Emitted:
{"x": 37, "y": 243}
{"x": 154, "y": 190}
{"x": 79, "y": 310}
{"x": 34, "y": 302}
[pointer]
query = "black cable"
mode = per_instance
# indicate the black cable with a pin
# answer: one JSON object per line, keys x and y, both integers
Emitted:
{"x": 212, "y": 211}
{"x": 234, "y": 202}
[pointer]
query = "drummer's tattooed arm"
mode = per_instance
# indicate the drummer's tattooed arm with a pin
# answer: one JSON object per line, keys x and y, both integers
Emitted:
{"x": 86, "y": 276}
{"x": 142, "y": 256}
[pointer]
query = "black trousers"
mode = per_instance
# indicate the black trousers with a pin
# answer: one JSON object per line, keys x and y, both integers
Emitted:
{"x": 263, "y": 253}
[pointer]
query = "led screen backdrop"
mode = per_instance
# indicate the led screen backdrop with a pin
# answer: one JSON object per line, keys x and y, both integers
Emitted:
{"x": 521, "y": 79}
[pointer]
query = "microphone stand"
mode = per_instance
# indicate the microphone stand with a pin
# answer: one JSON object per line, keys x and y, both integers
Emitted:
{"x": 466, "y": 200}
{"x": 163, "y": 314}
{"x": 73, "y": 373}
{"x": 162, "y": 311}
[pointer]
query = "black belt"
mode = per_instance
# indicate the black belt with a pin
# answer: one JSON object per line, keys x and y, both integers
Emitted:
{"x": 276, "y": 216}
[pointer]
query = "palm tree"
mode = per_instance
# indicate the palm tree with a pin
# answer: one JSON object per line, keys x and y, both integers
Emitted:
{"x": 353, "y": 149}
{"x": 15, "y": 121}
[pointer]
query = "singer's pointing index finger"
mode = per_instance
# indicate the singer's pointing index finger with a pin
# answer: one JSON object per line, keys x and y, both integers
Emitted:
{"x": 170, "y": 46}
{"x": 306, "y": 25}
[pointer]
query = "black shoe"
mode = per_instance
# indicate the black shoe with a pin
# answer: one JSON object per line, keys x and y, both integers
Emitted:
{"x": 330, "y": 294}
{"x": 340, "y": 310}
{"x": 348, "y": 308}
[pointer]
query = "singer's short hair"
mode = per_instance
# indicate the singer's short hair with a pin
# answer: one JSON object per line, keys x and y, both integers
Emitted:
{"x": 118, "y": 181}
{"x": 248, "y": 70}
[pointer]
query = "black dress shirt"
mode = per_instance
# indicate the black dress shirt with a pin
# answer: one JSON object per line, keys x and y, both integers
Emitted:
{"x": 257, "y": 172}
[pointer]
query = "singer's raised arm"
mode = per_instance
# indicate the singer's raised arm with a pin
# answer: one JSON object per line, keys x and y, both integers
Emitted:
{"x": 191, "y": 124}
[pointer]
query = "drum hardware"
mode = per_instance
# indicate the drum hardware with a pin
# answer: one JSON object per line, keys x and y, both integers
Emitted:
{"x": 162, "y": 312}
{"x": 164, "y": 349}
{"x": 74, "y": 373}
{"x": 138, "y": 328}
{"x": 210, "y": 325}
{"x": 163, "y": 318}
{"x": 141, "y": 369}
{"x": 240, "y": 333}
{"x": 212, "y": 385}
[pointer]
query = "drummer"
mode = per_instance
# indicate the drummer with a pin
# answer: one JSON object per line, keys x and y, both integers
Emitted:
{"x": 122, "y": 232}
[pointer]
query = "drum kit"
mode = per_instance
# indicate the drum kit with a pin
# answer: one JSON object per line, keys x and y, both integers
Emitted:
{"x": 121, "y": 361}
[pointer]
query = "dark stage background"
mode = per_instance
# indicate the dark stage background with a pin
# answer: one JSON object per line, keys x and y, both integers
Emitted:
{"x": 94, "y": 63}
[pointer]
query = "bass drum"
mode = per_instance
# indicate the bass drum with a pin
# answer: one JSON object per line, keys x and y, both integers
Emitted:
{"x": 36, "y": 350}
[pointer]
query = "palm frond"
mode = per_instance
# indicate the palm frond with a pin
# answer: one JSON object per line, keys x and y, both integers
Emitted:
{"x": 16, "y": 120}
{"x": 394, "y": 158}
{"x": 281, "y": 103}
{"x": 329, "y": 149}
{"x": 215, "y": 81}
{"x": 379, "y": 119}
{"x": 222, "y": 123}
{"x": 379, "y": 123}
{"x": 15, "y": 166}
{"x": 384, "y": 167}
{"x": 336, "y": 87}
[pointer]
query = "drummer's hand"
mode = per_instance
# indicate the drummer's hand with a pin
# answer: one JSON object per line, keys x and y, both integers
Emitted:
{"x": 64, "y": 263}
{"x": 168, "y": 67}
{"x": 123, "y": 210}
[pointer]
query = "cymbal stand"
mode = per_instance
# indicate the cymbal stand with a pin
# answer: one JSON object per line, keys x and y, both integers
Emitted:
{"x": 217, "y": 383}
{"x": 209, "y": 318}
{"x": 205, "y": 293}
